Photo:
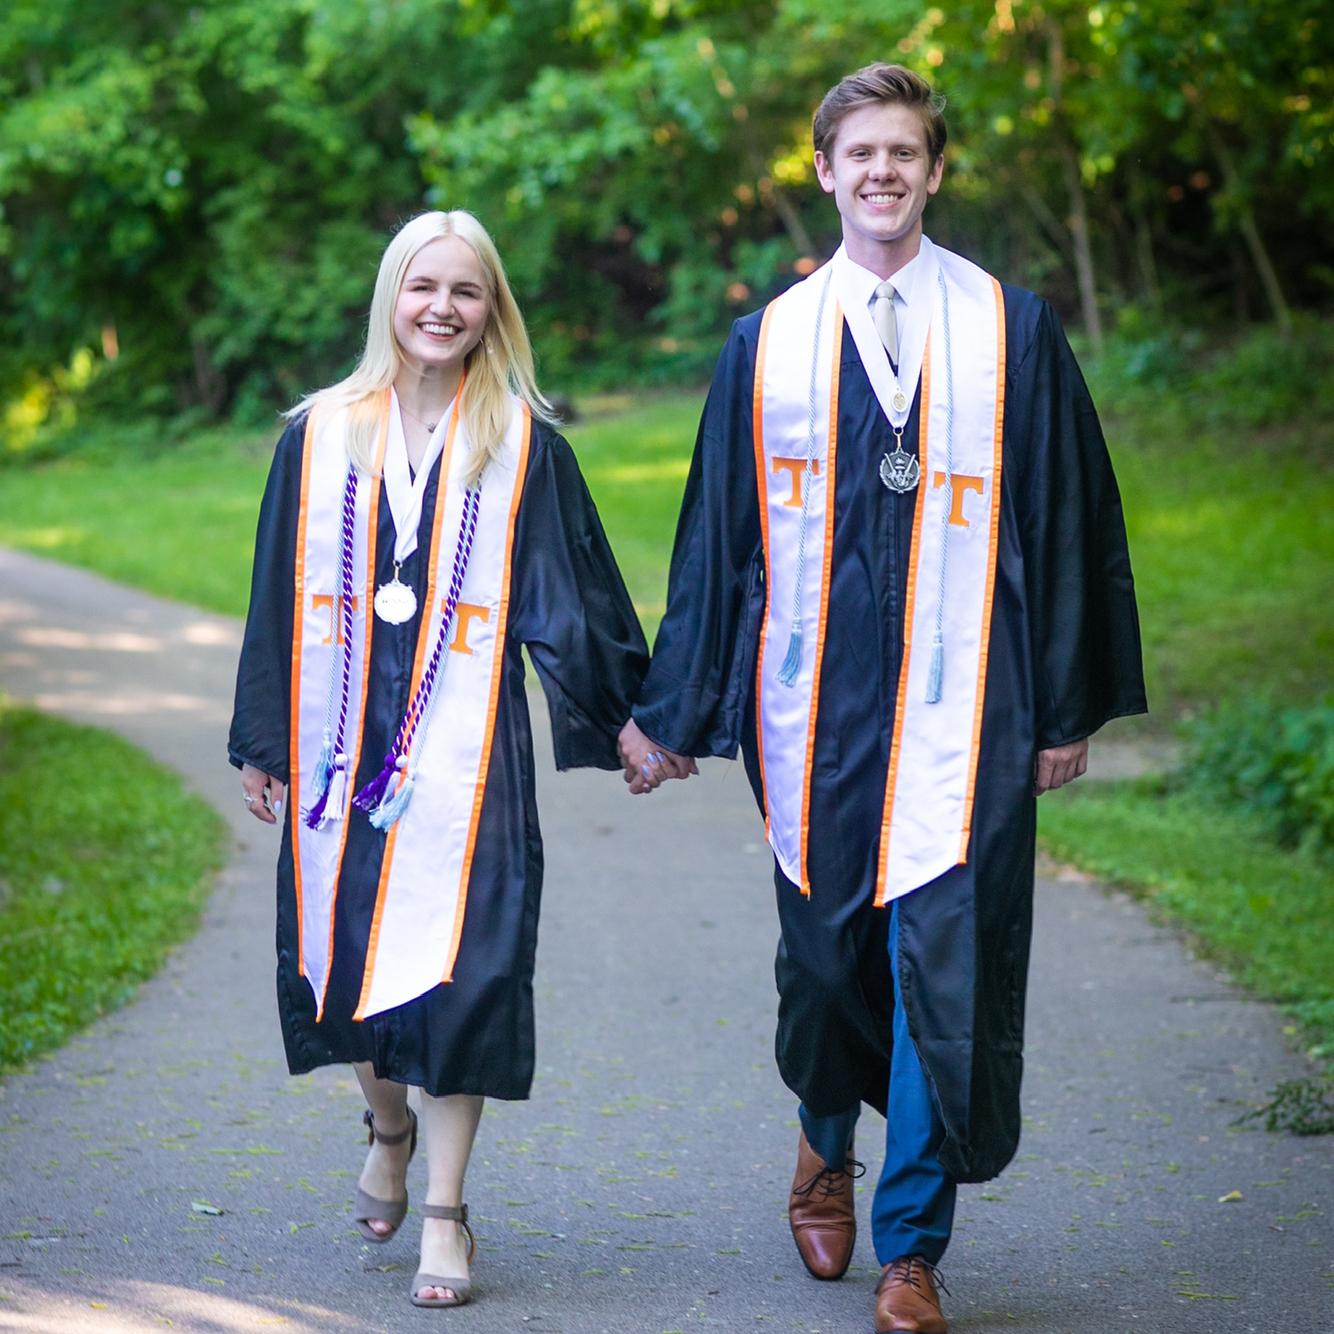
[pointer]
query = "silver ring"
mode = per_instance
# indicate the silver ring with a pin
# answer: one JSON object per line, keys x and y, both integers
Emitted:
{"x": 248, "y": 799}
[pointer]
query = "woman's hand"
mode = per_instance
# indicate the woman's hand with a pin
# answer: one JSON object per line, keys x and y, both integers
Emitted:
{"x": 646, "y": 764}
{"x": 262, "y": 793}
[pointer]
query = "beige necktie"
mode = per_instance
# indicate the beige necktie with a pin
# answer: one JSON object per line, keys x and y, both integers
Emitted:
{"x": 882, "y": 313}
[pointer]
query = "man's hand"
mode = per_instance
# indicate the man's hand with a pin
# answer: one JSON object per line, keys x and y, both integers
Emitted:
{"x": 1060, "y": 765}
{"x": 262, "y": 793}
{"x": 647, "y": 765}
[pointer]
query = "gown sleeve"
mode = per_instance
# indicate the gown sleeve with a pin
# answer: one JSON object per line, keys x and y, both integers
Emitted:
{"x": 1081, "y": 594}
{"x": 261, "y": 718}
{"x": 572, "y": 612}
{"x": 699, "y": 681}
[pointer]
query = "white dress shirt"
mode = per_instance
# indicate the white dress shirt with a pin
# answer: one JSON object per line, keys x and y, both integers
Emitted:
{"x": 909, "y": 307}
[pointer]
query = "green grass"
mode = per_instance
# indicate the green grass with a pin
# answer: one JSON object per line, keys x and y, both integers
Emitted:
{"x": 635, "y": 455}
{"x": 1232, "y": 531}
{"x": 105, "y": 862}
{"x": 1265, "y": 913}
{"x": 179, "y": 523}
{"x": 1232, "y": 544}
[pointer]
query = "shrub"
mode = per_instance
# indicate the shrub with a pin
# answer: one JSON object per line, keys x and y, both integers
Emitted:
{"x": 1277, "y": 761}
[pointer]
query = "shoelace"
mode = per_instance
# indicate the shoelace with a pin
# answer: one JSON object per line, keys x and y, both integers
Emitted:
{"x": 904, "y": 1270}
{"x": 827, "y": 1179}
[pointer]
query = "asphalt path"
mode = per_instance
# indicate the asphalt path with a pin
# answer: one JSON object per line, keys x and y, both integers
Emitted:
{"x": 643, "y": 1188}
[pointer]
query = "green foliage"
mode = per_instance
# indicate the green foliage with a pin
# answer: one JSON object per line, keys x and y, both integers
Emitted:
{"x": 95, "y": 886}
{"x": 1298, "y": 1106}
{"x": 1276, "y": 761}
{"x": 1263, "y": 379}
{"x": 1263, "y": 911}
{"x": 195, "y": 195}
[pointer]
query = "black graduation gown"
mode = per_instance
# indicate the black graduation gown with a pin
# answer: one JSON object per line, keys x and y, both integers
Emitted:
{"x": 569, "y": 607}
{"x": 1064, "y": 658}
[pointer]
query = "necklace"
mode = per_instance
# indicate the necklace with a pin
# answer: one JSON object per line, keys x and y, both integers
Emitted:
{"x": 430, "y": 426}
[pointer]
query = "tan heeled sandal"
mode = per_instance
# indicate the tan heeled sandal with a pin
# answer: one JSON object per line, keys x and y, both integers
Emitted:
{"x": 367, "y": 1206}
{"x": 460, "y": 1287}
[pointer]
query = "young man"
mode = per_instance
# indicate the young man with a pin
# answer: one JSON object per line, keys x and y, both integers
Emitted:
{"x": 901, "y": 584}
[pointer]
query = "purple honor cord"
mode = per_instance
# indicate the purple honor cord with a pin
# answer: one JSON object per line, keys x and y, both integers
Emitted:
{"x": 385, "y": 807}
{"x": 331, "y": 768}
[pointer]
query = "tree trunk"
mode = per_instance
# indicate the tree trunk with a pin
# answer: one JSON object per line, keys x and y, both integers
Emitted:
{"x": 792, "y": 223}
{"x": 1250, "y": 232}
{"x": 1146, "y": 261}
{"x": 1241, "y": 306}
{"x": 1050, "y": 228}
{"x": 209, "y": 389}
{"x": 774, "y": 197}
{"x": 1074, "y": 187}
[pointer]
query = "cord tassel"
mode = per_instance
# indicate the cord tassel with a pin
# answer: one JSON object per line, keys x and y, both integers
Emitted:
{"x": 791, "y": 668}
{"x": 324, "y": 766}
{"x": 935, "y": 675}
{"x": 329, "y": 808}
{"x": 389, "y": 810}
{"x": 370, "y": 796}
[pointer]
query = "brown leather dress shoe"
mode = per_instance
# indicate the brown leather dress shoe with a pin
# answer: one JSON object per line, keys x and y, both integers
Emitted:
{"x": 906, "y": 1301}
{"x": 821, "y": 1211}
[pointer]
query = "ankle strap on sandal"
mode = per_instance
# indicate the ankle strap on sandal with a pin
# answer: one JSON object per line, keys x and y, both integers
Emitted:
{"x": 453, "y": 1214}
{"x": 368, "y": 1120}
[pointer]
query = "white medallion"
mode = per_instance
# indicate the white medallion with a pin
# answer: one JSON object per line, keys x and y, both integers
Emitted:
{"x": 395, "y": 602}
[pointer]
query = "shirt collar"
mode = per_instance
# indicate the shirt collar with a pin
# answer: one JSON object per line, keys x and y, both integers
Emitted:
{"x": 863, "y": 282}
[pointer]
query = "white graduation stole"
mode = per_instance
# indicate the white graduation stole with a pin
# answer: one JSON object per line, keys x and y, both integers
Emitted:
{"x": 927, "y": 818}
{"x": 423, "y": 883}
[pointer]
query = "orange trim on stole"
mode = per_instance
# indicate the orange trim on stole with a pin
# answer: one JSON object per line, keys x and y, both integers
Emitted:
{"x": 900, "y": 707}
{"x": 294, "y": 725}
{"x": 418, "y": 668}
{"x": 830, "y": 473}
{"x": 497, "y": 667}
{"x": 354, "y": 755}
{"x": 990, "y": 593}
{"x": 762, "y": 488}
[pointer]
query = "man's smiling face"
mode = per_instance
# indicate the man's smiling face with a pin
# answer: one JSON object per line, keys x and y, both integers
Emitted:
{"x": 880, "y": 172}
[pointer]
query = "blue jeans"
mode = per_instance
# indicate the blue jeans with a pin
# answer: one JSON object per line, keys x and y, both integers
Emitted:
{"x": 913, "y": 1209}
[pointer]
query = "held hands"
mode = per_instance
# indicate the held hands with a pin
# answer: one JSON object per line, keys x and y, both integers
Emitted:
{"x": 262, "y": 793}
{"x": 646, "y": 764}
{"x": 1060, "y": 765}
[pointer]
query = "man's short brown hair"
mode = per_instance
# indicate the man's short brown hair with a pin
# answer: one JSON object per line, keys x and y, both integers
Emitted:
{"x": 895, "y": 84}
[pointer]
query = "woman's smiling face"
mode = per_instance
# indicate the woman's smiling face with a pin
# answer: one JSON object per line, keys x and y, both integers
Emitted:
{"x": 442, "y": 307}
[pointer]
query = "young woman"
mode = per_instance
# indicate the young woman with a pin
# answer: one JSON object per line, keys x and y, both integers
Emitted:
{"x": 422, "y": 521}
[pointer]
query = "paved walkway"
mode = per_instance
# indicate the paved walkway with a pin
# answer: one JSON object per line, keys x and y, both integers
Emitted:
{"x": 642, "y": 1190}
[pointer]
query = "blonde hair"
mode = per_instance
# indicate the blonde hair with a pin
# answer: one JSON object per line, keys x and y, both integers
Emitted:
{"x": 500, "y": 366}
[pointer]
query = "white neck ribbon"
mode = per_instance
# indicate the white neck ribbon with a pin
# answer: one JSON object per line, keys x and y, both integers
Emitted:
{"x": 912, "y": 344}
{"x": 406, "y": 491}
